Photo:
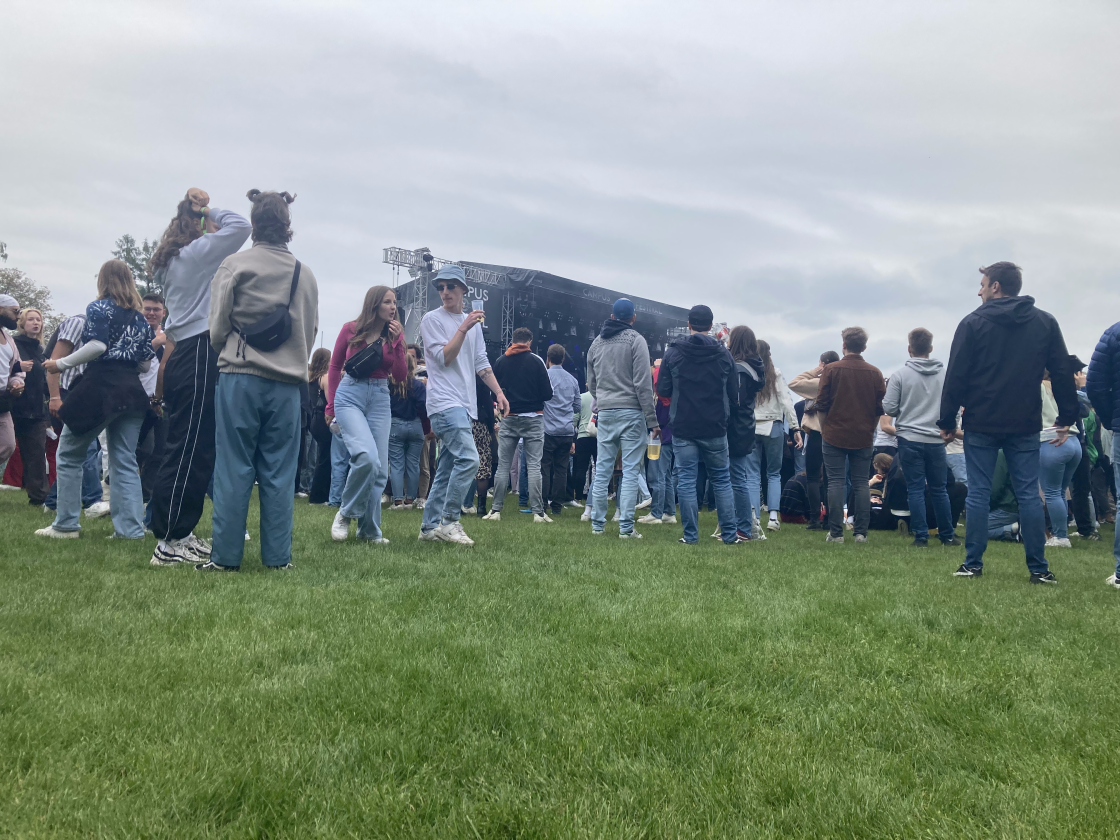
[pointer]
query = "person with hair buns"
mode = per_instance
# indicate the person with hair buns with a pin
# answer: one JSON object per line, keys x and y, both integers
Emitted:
{"x": 914, "y": 399}
{"x": 196, "y": 242}
{"x": 359, "y": 402}
{"x": 851, "y": 396}
{"x": 116, "y": 348}
{"x": 257, "y": 400}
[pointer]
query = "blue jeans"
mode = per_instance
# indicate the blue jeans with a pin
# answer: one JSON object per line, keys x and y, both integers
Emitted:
{"x": 620, "y": 430}
{"x": 91, "y": 479}
{"x": 956, "y": 462}
{"x": 1021, "y": 452}
{"x": 126, "y": 502}
{"x": 340, "y": 466}
{"x": 1056, "y": 468}
{"x": 406, "y": 441}
{"x": 662, "y": 484}
{"x": 713, "y": 452}
{"x": 523, "y": 479}
{"x": 772, "y": 445}
{"x": 361, "y": 409}
{"x": 455, "y": 468}
{"x": 741, "y": 467}
{"x": 256, "y": 437}
{"x": 922, "y": 462}
{"x": 1116, "y": 474}
{"x": 999, "y": 524}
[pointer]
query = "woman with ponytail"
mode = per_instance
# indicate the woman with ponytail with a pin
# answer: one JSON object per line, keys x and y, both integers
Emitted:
{"x": 184, "y": 264}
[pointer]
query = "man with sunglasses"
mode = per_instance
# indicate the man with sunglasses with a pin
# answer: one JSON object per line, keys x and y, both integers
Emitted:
{"x": 455, "y": 351}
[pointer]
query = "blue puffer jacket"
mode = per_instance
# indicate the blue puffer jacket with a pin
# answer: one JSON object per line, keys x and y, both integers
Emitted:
{"x": 1103, "y": 386}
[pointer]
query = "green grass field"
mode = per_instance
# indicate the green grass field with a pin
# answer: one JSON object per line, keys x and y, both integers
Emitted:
{"x": 548, "y": 684}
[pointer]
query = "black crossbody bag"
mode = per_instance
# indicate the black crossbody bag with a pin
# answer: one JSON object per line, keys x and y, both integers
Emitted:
{"x": 268, "y": 333}
{"x": 367, "y": 361}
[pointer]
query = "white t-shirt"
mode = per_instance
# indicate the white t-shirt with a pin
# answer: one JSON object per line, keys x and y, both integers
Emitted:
{"x": 6, "y": 357}
{"x": 148, "y": 378}
{"x": 452, "y": 386}
{"x": 884, "y": 438}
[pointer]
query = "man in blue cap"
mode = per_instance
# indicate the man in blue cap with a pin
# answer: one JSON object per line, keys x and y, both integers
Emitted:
{"x": 620, "y": 382}
{"x": 455, "y": 352}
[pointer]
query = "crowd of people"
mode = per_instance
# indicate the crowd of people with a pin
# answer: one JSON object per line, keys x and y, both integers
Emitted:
{"x": 214, "y": 387}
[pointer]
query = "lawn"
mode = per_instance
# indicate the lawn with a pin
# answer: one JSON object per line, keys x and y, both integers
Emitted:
{"x": 549, "y": 684}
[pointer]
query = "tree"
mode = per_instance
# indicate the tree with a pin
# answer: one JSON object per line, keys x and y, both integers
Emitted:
{"x": 136, "y": 257}
{"x": 27, "y": 293}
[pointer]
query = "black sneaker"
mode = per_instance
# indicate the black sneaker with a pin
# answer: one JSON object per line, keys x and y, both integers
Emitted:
{"x": 964, "y": 571}
{"x": 952, "y": 541}
{"x": 286, "y": 567}
{"x": 919, "y": 543}
{"x": 211, "y": 566}
{"x": 1045, "y": 577}
{"x": 815, "y": 526}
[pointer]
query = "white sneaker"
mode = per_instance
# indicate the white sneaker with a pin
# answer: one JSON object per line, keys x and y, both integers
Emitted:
{"x": 490, "y": 493}
{"x": 418, "y": 504}
{"x": 386, "y": 499}
{"x": 633, "y": 535}
{"x": 340, "y": 528}
{"x": 247, "y": 537}
{"x": 1113, "y": 581}
{"x": 615, "y": 517}
{"x": 9, "y": 487}
{"x": 97, "y": 510}
{"x": 718, "y": 534}
{"x": 171, "y": 552}
{"x": 429, "y": 536}
{"x": 493, "y": 516}
{"x": 585, "y": 516}
{"x": 642, "y": 505}
{"x": 650, "y": 519}
{"x": 397, "y": 506}
{"x": 774, "y": 525}
{"x": 453, "y": 532}
{"x": 573, "y": 503}
{"x": 849, "y": 525}
{"x": 378, "y": 541}
{"x": 198, "y": 546}
{"x": 49, "y": 531}
{"x": 471, "y": 510}
{"x": 1058, "y": 542}
{"x": 541, "y": 519}
{"x": 669, "y": 519}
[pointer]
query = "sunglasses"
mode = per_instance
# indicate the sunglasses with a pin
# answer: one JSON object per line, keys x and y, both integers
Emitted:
{"x": 440, "y": 287}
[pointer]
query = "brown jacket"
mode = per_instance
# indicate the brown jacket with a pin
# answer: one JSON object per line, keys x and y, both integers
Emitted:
{"x": 851, "y": 393}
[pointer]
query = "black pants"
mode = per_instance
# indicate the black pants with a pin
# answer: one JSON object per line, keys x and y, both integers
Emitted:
{"x": 814, "y": 462}
{"x": 585, "y": 454}
{"x": 189, "y": 378}
{"x": 31, "y": 437}
{"x": 1080, "y": 491}
{"x": 149, "y": 452}
{"x": 554, "y": 469}
{"x": 321, "y": 482}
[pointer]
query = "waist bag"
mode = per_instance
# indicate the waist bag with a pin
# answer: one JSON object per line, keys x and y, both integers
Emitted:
{"x": 269, "y": 332}
{"x": 367, "y": 361}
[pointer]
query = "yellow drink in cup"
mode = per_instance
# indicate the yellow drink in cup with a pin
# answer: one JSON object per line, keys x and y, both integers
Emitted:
{"x": 653, "y": 447}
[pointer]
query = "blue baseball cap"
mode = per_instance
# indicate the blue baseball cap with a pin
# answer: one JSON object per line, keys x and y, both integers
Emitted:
{"x": 623, "y": 310}
{"x": 451, "y": 272}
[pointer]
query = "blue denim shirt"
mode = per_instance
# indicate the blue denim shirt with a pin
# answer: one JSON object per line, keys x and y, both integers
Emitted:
{"x": 561, "y": 410}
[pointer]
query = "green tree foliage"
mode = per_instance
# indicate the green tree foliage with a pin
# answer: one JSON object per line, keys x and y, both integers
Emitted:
{"x": 27, "y": 293}
{"x": 137, "y": 258}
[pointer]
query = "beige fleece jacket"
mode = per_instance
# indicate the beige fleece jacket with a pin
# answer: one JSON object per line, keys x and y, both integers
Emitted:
{"x": 807, "y": 385}
{"x": 247, "y": 286}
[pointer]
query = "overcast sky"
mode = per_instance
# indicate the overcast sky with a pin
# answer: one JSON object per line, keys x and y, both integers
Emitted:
{"x": 800, "y": 167}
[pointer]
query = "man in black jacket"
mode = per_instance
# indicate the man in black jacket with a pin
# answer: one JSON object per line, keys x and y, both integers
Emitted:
{"x": 995, "y": 372}
{"x": 524, "y": 380}
{"x": 697, "y": 375}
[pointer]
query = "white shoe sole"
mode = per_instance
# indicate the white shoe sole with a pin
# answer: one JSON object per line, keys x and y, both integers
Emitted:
{"x": 57, "y": 535}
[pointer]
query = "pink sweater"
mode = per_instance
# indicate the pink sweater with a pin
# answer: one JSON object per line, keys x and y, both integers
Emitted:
{"x": 394, "y": 361}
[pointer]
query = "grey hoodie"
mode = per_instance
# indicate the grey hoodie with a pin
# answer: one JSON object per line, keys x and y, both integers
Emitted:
{"x": 914, "y": 397}
{"x": 618, "y": 374}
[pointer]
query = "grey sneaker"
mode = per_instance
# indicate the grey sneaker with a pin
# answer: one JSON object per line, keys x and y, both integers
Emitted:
{"x": 633, "y": 535}
{"x": 833, "y": 539}
{"x": 861, "y": 538}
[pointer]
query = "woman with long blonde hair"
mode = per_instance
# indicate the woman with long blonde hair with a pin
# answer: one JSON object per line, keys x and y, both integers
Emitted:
{"x": 116, "y": 348}
{"x": 368, "y": 350}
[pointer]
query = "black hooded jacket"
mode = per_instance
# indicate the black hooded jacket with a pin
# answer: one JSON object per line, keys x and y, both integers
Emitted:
{"x": 995, "y": 370}
{"x": 740, "y": 428}
{"x": 33, "y": 404}
{"x": 701, "y": 385}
